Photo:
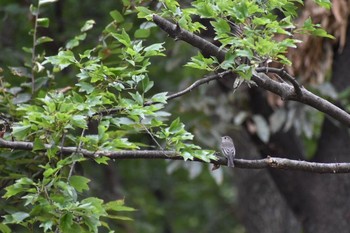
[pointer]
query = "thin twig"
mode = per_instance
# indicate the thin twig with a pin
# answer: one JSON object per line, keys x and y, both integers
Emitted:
{"x": 153, "y": 138}
{"x": 62, "y": 143}
{"x": 76, "y": 152}
{"x": 198, "y": 83}
{"x": 36, "y": 16}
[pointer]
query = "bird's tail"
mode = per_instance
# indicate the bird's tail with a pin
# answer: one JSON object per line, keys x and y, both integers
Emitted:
{"x": 230, "y": 162}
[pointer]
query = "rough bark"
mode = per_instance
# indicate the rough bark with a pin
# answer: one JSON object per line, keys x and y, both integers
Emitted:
{"x": 321, "y": 203}
{"x": 261, "y": 206}
{"x": 331, "y": 204}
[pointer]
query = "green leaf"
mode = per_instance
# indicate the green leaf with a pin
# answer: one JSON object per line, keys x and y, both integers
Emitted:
{"x": 245, "y": 71}
{"x": 47, "y": 225}
{"x": 187, "y": 155}
{"x": 142, "y": 33}
{"x": 85, "y": 87}
{"x": 92, "y": 222}
{"x": 30, "y": 198}
{"x": 49, "y": 171}
{"x": 38, "y": 145}
{"x": 21, "y": 98}
{"x": 43, "y": 2}
{"x": 123, "y": 143}
{"x": 4, "y": 228}
{"x": 155, "y": 47}
{"x": 67, "y": 191}
{"x": 221, "y": 26}
{"x": 204, "y": 155}
{"x": 102, "y": 160}
{"x": 43, "y": 39}
{"x": 16, "y": 217}
{"x": 137, "y": 97}
{"x": 308, "y": 25}
{"x": 175, "y": 126}
{"x": 75, "y": 41}
{"x": 284, "y": 60}
{"x": 21, "y": 131}
{"x": 160, "y": 97}
{"x": 146, "y": 84}
{"x": 122, "y": 121}
{"x": 245, "y": 53}
{"x": 96, "y": 204}
{"x": 117, "y": 16}
{"x": 79, "y": 121}
{"x": 144, "y": 12}
{"x": 261, "y": 21}
{"x": 43, "y": 22}
{"x": 33, "y": 9}
{"x": 80, "y": 183}
{"x": 117, "y": 217}
{"x": 63, "y": 59}
{"x": 202, "y": 63}
{"x": 117, "y": 205}
{"x": 171, "y": 5}
{"x": 315, "y": 29}
{"x": 88, "y": 25}
{"x": 229, "y": 62}
{"x": 324, "y": 3}
{"x": 123, "y": 38}
{"x": 322, "y": 33}
{"x": 205, "y": 9}
{"x": 21, "y": 185}
{"x": 240, "y": 11}
{"x": 66, "y": 222}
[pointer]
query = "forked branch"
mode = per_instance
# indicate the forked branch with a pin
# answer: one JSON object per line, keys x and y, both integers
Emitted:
{"x": 286, "y": 91}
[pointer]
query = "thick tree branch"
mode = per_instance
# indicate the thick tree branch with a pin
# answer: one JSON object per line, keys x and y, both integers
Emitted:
{"x": 269, "y": 162}
{"x": 284, "y": 75}
{"x": 286, "y": 91}
{"x": 178, "y": 33}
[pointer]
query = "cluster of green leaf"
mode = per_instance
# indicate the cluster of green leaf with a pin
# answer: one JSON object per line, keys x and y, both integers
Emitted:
{"x": 254, "y": 33}
{"x": 102, "y": 88}
{"x": 250, "y": 30}
{"x": 53, "y": 203}
{"x": 176, "y": 136}
{"x": 109, "y": 103}
{"x": 111, "y": 87}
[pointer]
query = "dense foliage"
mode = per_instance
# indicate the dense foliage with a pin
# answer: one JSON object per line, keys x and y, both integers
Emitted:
{"x": 103, "y": 98}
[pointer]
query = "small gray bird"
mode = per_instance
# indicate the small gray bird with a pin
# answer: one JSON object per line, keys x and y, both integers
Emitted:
{"x": 228, "y": 150}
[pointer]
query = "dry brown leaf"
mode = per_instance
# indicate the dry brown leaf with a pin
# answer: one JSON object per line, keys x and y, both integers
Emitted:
{"x": 314, "y": 56}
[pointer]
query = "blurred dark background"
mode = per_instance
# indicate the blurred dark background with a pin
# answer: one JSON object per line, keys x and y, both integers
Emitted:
{"x": 189, "y": 197}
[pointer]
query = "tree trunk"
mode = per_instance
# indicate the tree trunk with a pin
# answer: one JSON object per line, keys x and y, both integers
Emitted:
{"x": 321, "y": 203}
